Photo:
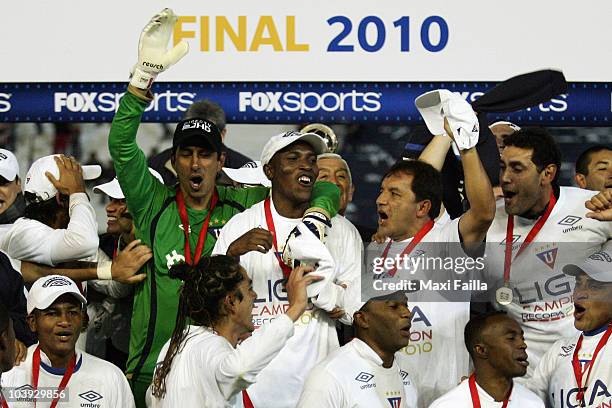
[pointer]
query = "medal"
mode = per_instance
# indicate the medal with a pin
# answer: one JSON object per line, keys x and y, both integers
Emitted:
{"x": 504, "y": 295}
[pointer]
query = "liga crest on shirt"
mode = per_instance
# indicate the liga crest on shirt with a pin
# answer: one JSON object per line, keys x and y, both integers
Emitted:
{"x": 395, "y": 402}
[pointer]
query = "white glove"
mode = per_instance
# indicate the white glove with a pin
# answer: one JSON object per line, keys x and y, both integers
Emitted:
{"x": 304, "y": 247}
{"x": 429, "y": 106}
{"x": 462, "y": 121}
{"x": 315, "y": 222}
{"x": 153, "y": 57}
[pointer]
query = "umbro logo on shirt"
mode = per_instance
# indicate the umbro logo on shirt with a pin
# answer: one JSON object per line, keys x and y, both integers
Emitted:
{"x": 364, "y": 377}
{"x": 90, "y": 396}
{"x": 515, "y": 238}
{"x": 567, "y": 350}
{"x": 569, "y": 220}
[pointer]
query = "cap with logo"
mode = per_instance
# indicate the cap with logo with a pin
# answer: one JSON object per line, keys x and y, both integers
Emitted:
{"x": 597, "y": 266}
{"x": 279, "y": 142}
{"x": 37, "y": 183}
{"x": 113, "y": 189}
{"x": 199, "y": 133}
{"x": 47, "y": 289}
{"x": 9, "y": 168}
{"x": 251, "y": 173}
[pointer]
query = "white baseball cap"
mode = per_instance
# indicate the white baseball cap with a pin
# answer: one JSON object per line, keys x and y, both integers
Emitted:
{"x": 598, "y": 266}
{"x": 461, "y": 118}
{"x": 250, "y": 173}
{"x": 113, "y": 189}
{"x": 429, "y": 106}
{"x": 283, "y": 140}
{"x": 37, "y": 183}
{"x": 9, "y": 168}
{"x": 47, "y": 289}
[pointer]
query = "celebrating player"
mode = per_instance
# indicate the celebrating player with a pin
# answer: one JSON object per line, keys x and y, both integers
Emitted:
{"x": 497, "y": 348}
{"x": 365, "y": 372}
{"x": 201, "y": 366}
{"x": 56, "y": 312}
{"x": 577, "y": 370}
{"x": 178, "y": 224}
{"x": 528, "y": 281}
{"x": 409, "y": 201}
{"x": 257, "y": 236}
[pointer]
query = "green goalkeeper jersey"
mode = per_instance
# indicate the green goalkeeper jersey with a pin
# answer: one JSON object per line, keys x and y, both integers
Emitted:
{"x": 159, "y": 226}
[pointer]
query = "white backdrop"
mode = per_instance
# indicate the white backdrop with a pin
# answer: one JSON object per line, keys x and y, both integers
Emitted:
{"x": 75, "y": 40}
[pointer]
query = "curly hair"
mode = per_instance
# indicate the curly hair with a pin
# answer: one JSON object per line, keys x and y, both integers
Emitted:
{"x": 205, "y": 285}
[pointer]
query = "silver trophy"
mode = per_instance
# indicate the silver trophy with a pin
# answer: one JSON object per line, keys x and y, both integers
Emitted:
{"x": 331, "y": 140}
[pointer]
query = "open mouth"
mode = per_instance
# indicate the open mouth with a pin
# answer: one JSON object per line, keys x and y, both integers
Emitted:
{"x": 111, "y": 218}
{"x": 382, "y": 217}
{"x": 64, "y": 336}
{"x": 579, "y": 311}
{"x": 306, "y": 180}
{"x": 195, "y": 182}
{"x": 522, "y": 360}
{"x": 405, "y": 331}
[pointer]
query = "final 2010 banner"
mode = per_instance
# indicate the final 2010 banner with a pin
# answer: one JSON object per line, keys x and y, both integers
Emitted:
{"x": 275, "y": 61}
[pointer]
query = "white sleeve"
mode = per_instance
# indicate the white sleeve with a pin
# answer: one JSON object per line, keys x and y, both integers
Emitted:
{"x": 34, "y": 241}
{"x": 539, "y": 381}
{"x": 349, "y": 274}
{"x": 321, "y": 390}
{"x": 236, "y": 370}
{"x": 80, "y": 239}
{"x": 226, "y": 237}
{"x": 124, "y": 396}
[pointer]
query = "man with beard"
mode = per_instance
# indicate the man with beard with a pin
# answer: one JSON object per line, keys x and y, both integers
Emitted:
{"x": 56, "y": 312}
{"x": 577, "y": 370}
{"x": 497, "y": 348}
{"x": 179, "y": 223}
{"x": 257, "y": 235}
{"x": 538, "y": 227}
{"x": 365, "y": 373}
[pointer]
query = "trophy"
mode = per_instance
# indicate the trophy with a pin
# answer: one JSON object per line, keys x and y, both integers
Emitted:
{"x": 331, "y": 140}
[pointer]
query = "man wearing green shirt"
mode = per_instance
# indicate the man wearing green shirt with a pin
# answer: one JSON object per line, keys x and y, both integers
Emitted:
{"x": 165, "y": 216}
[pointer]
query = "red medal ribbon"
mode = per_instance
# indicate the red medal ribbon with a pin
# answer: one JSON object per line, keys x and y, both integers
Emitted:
{"x": 476, "y": 398}
{"x": 63, "y": 382}
{"x": 246, "y": 401}
{"x": 530, "y": 236}
{"x": 578, "y": 373}
{"x": 415, "y": 241}
{"x": 270, "y": 223}
{"x": 180, "y": 203}
{"x": 3, "y": 400}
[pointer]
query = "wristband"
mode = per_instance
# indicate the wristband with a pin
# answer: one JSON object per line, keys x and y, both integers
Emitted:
{"x": 104, "y": 270}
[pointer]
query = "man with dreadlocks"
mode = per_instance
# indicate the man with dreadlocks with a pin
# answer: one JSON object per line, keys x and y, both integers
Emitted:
{"x": 201, "y": 365}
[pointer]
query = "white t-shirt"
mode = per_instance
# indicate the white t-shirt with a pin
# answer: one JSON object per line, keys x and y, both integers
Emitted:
{"x": 353, "y": 377}
{"x": 31, "y": 240}
{"x": 460, "y": 397}
{"x": 554, "y": 376}
{"x": 280, "y": 383}
{"x": 436, "y": 357}
{"x": 209, "y": 372}
{"x": 543, "y": 303}
{"x": 94, "y": 381}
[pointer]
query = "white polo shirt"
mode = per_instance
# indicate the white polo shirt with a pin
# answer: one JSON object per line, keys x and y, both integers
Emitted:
{"x": 94, "y": 383}
{"x": 353, "y": 377}
{"x": 209, "y": 372}
{"x": 543, "y": 303}
{"x": 460, "y": 397}
{"x": 436, "y": 357}
{"x": 554, "y": 376}
{"x": 279, "y": 385}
